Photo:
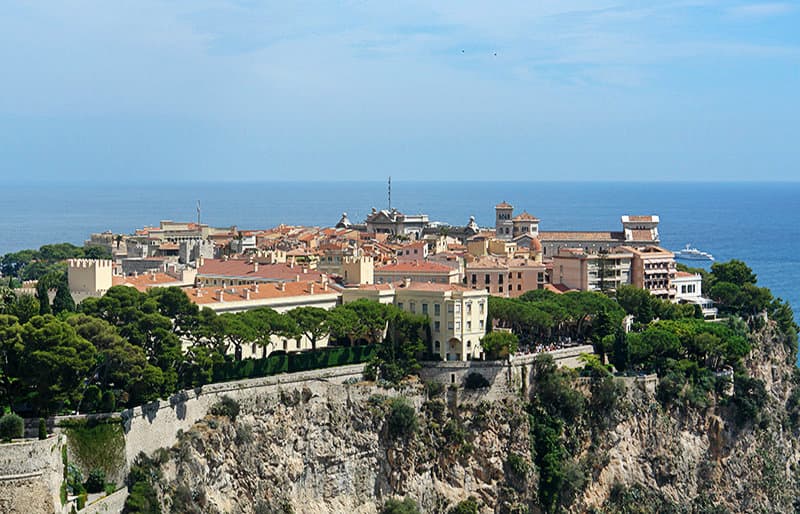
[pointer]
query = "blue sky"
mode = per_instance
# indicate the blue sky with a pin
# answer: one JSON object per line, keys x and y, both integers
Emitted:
{"x": 361, "y": 89}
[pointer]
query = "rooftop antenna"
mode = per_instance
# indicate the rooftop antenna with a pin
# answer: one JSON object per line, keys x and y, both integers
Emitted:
{"x": 198, "y": 212}
{"x": 390, "y": 192}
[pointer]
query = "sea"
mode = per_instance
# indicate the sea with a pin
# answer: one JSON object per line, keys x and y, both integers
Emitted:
{"x": 755, "y": 222}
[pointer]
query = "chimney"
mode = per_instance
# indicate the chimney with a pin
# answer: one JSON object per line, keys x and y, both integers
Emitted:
{"x": 153, "y": 276}
{"x": 297, "y": 278}
{"x": 406, "y": 282}
{"x": 255, "y": 287}
{"x": 246, "y": 294}
{"x": 311, "y": 288}
{"x": 255, "y": 267}
{"x": 325, "y": 286}
{"x": 281, "y": 286}
{"x": 221, "y": 296}
{"x": 200, "y": 261}
{"x": 135, "y": 274}
{"x": 305, "y": 270}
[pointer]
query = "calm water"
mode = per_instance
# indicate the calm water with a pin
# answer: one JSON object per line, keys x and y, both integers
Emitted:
{"x": 757, "y": 223}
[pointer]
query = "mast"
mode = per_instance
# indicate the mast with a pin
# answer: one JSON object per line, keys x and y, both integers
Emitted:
{"x": 198, "y": 212}
{"x": 390, "y": 192}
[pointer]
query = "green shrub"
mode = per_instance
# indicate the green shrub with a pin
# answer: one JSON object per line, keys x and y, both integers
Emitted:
{"x": 110, "y": 488}
{"x": 96, "y": 481}
{"x": 406, "y": 506}
{"x": 402, "y": 418}
{"x": 63, "y": 493}
{"x": 81, "y": 500}
{"x": 42, "y": 429}
{"x": 91, "y": 399}
{"x": 468, "y": 506}
{"x": 475, "y": 381}
{"x": 108, "y": 402}
{"x": 227, "y": 406}
{"x": 434, "y": 388}
{"x": 11, "y": 427}
{"x": 517, "y": 464}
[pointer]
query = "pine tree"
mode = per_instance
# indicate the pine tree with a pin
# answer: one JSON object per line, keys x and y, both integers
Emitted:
{"x": 44, "y": 299}
{"x": 63, "y": 300}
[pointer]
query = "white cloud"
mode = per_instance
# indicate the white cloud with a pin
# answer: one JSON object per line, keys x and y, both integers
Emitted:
{"x": 759, "y": 10}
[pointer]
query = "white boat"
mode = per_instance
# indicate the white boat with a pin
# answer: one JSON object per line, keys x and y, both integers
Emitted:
{"x": 693, "y": 254}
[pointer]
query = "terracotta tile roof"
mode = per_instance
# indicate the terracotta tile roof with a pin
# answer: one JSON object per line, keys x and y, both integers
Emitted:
{"x": 581, "y": 236}
{"x": 145, "y": 281}
{"x": 640, "y": 218}
{"x": 503, "y": 205}
{"x": 209, "y": 295}
{"x": 242, "y": 269}
{"x": 557, "y": 288}
{"x": 430, "y": 286}
{"x": 414, "y": 267}
{"x": 685, "y": 274}
{"x": 525, "y": 217}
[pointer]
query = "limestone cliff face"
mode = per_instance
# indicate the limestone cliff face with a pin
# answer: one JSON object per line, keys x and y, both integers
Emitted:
{"x": 326, "y": 448}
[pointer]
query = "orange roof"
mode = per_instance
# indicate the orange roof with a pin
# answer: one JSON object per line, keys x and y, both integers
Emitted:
{"x": 243, "y": 269}
{"x": 557, "y": 288}
{"x": 414, "y": 267}
{"x": 145, "y": 281}
{"x": 640, "y": 218}
{"x": 209, "y": 295}
{"x": 525, "y": 217}
{"x": 685, "y": 274}
{"x": 431, "y": 286}
{"x": 503, "y": 205}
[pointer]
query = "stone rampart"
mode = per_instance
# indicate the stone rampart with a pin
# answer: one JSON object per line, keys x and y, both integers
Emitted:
{"x": 30, "y": 476}
{"x": 155, "y": 425}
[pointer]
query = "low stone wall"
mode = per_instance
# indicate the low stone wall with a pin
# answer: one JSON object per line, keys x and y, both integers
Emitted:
{"x": 113, "y": 503}
{"x": 31, "y": 473}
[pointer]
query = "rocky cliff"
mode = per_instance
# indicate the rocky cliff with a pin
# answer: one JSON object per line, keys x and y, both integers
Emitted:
{"x": 338, "y": 448}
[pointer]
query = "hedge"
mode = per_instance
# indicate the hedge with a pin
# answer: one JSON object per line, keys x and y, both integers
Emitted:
{"x": 280, "y": 362}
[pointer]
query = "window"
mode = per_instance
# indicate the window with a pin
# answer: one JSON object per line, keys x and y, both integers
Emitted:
{"x": 474, "y": 278}
{"x": 519, "y": 287}
{"x": 487, "y": 279}
{"x": 437, "y": 309}
{"x": 469, "y": 325}
{"x": 500, "y": 289}
{"x": 437, "y": 328}
{"x": 413, "y": 307}
{"x": 437, "y": 345}
{"x": 469, "y": 343}
{"x": 480, "y": 307}
{"x": 480, "y": 324}
{"x": 500, "y": 278}
{"x": 424, "y": 308}
{"x": 400, "y": 305}
{"x": 450, "y": 325}
{"x": 519, "y": 274}
{"x": 458, "y": 325}
{"x": 298, "y": 343}
{"x": 469, "y": 307}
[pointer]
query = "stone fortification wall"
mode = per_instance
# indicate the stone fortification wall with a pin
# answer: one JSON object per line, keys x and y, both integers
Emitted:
{"x": 155, "y": 425}
{"x": 505, "y": 377}
{"x": 30, "y": 476}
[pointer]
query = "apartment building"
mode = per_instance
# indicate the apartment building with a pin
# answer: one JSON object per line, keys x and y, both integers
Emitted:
{"x": 578, "y": 269}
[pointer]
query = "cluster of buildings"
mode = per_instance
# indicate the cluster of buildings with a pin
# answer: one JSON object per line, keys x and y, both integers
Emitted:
{"x": 442, "y": 271}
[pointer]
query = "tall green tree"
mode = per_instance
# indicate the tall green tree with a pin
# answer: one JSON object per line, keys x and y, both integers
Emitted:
{"x": 56, "y": 361}
{"x": 312, "y": 322}
{"x": 44, "y": 299}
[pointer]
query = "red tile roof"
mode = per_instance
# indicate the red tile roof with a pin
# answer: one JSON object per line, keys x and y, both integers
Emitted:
{"x": 503, "y": 205}
{"x": 525, "y": 217}
{"x": 414, "y": 267}
{"x": 642, "y": 235}
{"x": 145, "y": 281}
{"x": 242, "y": 269}
{"x": 208, "y": 295}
